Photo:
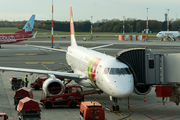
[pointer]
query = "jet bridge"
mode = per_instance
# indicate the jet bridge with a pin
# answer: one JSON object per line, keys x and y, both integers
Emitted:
{"x": 153, "y": 69}
{"x": 145, "y": 66}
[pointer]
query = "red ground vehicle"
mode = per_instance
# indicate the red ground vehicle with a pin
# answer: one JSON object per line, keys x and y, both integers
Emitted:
{"x": 28, "y": 109}
{"x": 91, "y": 110}
{"x": 38, "y": 83}
{"x": 4, "y": 116}
{"x": 20, "y": 94}
{"x": 71, "y": 97}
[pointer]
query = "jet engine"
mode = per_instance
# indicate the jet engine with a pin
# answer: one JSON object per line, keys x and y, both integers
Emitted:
{"x": 142, "y": 89}
{"x": 53, "y": 86}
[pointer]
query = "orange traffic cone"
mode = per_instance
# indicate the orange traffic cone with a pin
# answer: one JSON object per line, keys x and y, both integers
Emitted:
{"x": 144, "y": 98}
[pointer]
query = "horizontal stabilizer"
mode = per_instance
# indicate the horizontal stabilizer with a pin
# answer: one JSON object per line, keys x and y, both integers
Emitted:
{"x": 100, "y": 46}
{"x": 34, "y": 36}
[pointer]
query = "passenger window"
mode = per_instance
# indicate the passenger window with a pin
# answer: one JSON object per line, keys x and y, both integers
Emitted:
{"x": 106, "y": 70}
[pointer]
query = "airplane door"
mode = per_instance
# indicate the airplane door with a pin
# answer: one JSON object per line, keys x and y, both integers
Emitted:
{"x": 98, "y": 77}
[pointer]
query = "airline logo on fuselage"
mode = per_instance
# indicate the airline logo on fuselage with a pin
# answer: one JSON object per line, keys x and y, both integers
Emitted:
{"x": 6, "y": 37}
{"x": 92, "y": 67}
{"x": 15, "y": 36}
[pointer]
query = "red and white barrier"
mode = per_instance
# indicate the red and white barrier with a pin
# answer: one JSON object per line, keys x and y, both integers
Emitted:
{"x": 131, "y": 37}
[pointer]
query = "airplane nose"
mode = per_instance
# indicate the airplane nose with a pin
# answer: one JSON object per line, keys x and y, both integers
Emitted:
{"x": 123, "y": 86}
{"x": 125, "y": 90}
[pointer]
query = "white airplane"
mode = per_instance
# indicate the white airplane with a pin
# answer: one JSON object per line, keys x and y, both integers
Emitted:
{"x": 172, "y": 35}
{"x": 90, "y": 69}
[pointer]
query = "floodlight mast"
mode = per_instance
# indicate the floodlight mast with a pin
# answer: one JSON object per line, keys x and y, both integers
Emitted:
{"x": 168, "y": 23}
{"x": 91, "y": 26}
{"x": 123, "y": 24}
{"x": 52, "y": 26}
{"x": 147, "y": 25}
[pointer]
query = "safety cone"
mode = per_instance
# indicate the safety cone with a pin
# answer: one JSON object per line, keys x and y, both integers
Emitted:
{"x": 144, "y": 98}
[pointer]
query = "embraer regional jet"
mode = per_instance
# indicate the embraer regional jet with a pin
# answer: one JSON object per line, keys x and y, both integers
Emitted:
{"x": 24, "y": 34}
{"x": 90, "y": 69}
{"x": 172, "y": 35}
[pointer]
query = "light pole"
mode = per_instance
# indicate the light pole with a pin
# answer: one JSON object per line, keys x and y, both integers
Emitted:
{"x": 91, "y": 26}
{"x": 167, "y": 23}
{"x": 52, "y": 26}
{"x": 123, "y": 24}
{"x": 147, "y": 25}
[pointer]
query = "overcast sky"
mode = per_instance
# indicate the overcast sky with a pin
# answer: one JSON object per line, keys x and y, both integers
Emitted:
{"x": 82, "y": 9}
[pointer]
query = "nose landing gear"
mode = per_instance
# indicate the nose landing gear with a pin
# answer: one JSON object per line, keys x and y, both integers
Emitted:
{"x": 115, "y": 107}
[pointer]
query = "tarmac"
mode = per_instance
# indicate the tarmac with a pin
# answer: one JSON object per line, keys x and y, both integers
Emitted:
{"x": 141, "y": 107}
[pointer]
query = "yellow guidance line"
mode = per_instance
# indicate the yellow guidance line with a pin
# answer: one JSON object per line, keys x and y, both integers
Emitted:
{"x": 45, "y": 66}
{"x": 95, "y": 99}
{"x": 32, "y": 54}
{"x": 20, "y": 54}
{"x": 47, "y": 63}
{"x": 119, "y": 114}
{"x": 31, "y": 62}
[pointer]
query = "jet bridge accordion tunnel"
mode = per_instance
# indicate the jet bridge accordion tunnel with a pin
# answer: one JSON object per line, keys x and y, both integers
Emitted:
{"x": 145, "y": 67}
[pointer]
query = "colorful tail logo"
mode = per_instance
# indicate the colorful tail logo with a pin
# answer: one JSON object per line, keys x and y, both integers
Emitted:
{"x": 30, "y": 24}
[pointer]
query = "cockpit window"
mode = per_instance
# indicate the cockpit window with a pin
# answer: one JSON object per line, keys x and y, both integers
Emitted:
{"x": 125, "y": 71}
{"x": 106, "y": 70}
{"x": 117, "y": 71}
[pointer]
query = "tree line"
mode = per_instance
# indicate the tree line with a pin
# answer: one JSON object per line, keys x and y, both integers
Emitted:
{"x": 105, "y": 25}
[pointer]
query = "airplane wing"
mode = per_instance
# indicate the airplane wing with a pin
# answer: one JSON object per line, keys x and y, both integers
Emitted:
{"x": 56, "y": 73}
{"x": 100, "y": 46}
{"x": 47, "y": 48}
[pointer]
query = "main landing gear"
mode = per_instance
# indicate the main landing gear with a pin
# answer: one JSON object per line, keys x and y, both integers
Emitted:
{"x": 115, "y": 107}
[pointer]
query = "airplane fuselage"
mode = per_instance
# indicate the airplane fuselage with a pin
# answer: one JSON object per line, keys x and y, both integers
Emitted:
{"x": 163, "y": 34}
{"x": 7, "y": 38}
{"x": 102, "y": 71}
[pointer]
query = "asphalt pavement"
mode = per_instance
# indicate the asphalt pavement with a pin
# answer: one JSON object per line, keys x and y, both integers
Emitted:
{"x": 21, "y": 56}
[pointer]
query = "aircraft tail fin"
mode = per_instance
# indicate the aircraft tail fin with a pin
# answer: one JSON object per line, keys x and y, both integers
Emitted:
{"x": 72, "y": 31}
{"x": 28, "y": 26}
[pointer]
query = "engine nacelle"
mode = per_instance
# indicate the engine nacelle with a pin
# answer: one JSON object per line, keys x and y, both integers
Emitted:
{"x": 53, "y": 86}
{"x": 142, "y": 89}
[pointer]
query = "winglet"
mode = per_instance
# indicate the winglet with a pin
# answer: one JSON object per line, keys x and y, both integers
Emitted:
{"x": 73, "y": 39}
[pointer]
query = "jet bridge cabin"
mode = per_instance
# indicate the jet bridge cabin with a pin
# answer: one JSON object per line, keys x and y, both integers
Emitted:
{"x": 161, "y": 70}
{"x": 145, "y": 66}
